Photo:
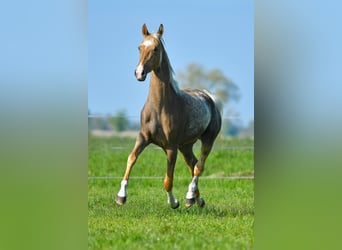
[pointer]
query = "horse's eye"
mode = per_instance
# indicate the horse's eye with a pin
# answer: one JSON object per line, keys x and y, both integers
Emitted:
{"x": 155, "y": 49}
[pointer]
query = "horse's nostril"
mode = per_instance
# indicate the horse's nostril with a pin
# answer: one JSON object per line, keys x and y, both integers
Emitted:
{"x": 143, "y": 73}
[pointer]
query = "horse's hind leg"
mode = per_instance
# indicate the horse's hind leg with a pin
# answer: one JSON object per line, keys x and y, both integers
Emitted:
{"x": 193, "y": 195}
{"x": 191, "y": 160}
{"x": 207, "y": 139}
{"x": 140, "y": 144}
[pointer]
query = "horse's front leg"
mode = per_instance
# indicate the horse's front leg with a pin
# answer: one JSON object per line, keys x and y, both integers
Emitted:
{"x": 168, "y": 181}
{"x": 140, "y": 144}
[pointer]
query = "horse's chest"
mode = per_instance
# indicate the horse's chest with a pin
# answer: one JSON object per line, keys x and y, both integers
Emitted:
{"x": 165, "y": 127}
{"x": 158, "y": 126}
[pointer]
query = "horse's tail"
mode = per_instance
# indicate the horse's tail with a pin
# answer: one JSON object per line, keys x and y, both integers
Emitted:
{"x": 217, "y": 101}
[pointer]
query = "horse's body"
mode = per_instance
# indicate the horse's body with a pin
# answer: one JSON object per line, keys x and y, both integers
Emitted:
{"x": 172, "y": 119}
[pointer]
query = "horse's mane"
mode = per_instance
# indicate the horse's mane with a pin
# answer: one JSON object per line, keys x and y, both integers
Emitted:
{"x": 165, "y": 57}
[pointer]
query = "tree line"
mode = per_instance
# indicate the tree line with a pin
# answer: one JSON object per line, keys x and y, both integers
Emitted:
{"x": 120, "y": 122}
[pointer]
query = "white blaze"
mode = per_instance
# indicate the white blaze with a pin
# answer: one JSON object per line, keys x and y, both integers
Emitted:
{"x": 148, "y": 43}
{"x": 140, "y": 68}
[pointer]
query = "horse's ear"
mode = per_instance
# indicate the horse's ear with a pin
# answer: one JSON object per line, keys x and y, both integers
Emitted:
{"x": 160, "y": 30}
{"x": 144, "y": 30}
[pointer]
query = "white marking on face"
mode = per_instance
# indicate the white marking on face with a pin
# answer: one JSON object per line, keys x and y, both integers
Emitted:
{"x": 139, "y": 71}
{"x": 140, "y": 68}
{"x": 155, "y": 35}
{"x": 148, "y": 43}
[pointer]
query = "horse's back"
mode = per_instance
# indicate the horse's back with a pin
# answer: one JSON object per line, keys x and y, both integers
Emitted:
{"x": 202, "y": 98}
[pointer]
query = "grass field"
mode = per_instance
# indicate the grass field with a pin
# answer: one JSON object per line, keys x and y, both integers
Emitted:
{"x": 147, "y": 222}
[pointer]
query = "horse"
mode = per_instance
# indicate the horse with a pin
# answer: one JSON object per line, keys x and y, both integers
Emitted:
{"x": 172, "y": 119}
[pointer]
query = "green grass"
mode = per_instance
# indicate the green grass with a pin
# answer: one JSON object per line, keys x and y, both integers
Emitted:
{"x": 147, "y": 222}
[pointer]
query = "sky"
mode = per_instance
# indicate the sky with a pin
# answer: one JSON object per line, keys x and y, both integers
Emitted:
{"x": 215, "y": 34}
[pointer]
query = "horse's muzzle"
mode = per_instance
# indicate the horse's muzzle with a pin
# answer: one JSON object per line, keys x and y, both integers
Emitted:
{"x": 140, "y": 73}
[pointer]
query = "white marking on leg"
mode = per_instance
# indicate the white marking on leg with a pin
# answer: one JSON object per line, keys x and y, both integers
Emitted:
{"x": 172, "y": 200}
{"x": 122, "y": 192}
{"x": 192, "y": 188}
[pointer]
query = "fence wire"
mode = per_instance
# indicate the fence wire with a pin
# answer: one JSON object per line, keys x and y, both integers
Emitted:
{"x": 249, "y": 177}
{"x": 214, "y": 148}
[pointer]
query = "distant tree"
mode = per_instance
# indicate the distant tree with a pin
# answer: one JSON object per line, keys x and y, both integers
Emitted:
{"x": 249, "y": 130}
{"x": 195, "y": 76}
{"x": 119, "y": 121}
{"x": 96, "y": 122}
{"x": 231, "y": 127}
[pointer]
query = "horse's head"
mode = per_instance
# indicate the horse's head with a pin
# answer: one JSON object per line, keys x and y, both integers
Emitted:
{"x": 150, "y": 53}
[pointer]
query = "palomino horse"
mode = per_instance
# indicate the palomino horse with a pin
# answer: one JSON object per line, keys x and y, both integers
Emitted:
{"x": 172, "y": 119}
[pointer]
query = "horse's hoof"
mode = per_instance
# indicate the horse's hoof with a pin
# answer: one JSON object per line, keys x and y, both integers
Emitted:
{"x": 190, "y": 202}
{"x": 120, "y": 200}
{"x": 200, "y": 202}
{"x": 176, "y": 205}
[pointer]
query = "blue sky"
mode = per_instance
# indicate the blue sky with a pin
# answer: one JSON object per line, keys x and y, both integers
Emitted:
{"x": 214, "y": 34}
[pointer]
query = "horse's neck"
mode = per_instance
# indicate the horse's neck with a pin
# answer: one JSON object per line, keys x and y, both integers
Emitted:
{"x": 162, "y": 92}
